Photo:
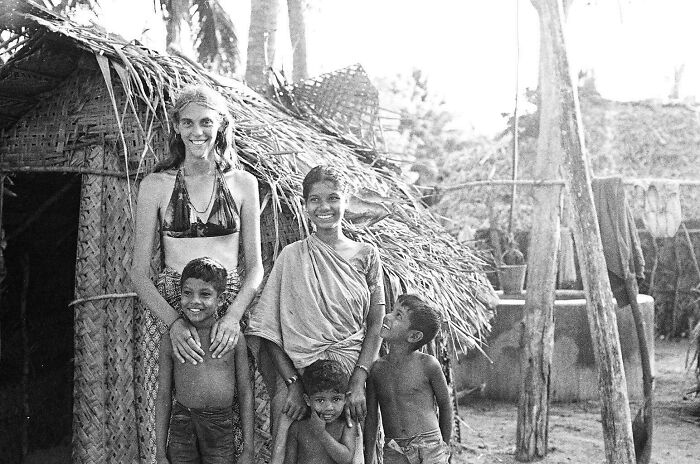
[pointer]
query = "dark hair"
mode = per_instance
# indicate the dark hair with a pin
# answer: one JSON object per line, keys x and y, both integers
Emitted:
{"x": 323, "y": 375}
{"x": 422, "y": 317}
{"x": 324, "y": 173}
{"x": 210, "y": 98}
{"x": 207, "y": 269}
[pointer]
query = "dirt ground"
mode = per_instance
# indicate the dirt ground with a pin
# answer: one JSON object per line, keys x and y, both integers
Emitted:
{"x": 575, "y": 430}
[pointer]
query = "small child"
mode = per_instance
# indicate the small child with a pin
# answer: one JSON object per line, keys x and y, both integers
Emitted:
{"x": 406, "y": 384}
{"x": 204, "y": 423}
{"x": 323, "y": 438}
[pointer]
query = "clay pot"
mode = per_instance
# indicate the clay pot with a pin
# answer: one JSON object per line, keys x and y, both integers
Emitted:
{"x": 512, "y": 278}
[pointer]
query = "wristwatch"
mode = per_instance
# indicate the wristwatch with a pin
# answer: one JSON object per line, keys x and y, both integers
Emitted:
{"x": 291, "y": 379}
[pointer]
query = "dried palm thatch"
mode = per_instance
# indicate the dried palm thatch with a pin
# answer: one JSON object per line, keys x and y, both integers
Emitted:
{"x": 78, "y": 99}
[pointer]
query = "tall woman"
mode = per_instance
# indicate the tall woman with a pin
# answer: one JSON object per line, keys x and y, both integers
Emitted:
{"x": 196, "y": 204}
{"x": 324, "y": 299}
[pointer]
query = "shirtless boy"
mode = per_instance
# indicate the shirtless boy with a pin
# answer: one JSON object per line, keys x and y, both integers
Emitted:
{"x": 323, "y": 438}
{"x": 204, "y": 424}
{"x": 405, "y": 385}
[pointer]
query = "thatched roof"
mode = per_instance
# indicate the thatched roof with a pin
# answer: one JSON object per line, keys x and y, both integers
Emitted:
{"x": 276, "y": 144}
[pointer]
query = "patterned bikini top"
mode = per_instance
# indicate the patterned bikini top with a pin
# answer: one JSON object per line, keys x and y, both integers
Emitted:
{"x": 181, "y": 220}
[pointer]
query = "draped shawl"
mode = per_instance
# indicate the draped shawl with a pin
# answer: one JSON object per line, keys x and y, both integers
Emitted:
{"x": 315, "y": 302}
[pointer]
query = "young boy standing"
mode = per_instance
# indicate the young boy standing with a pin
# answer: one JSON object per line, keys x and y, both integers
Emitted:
{"x": 405, "y": 385}
{"x": 323, "y": 438}
{"x": 204, "y": 424}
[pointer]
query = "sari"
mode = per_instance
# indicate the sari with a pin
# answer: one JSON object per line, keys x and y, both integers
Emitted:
{"x": 315, "y": 302}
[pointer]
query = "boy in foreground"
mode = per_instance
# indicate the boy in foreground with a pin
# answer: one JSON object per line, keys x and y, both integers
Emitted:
{"x": 323, "y": 438}
{"x": 205, "y": 424}
{"x": 405, "y": 385}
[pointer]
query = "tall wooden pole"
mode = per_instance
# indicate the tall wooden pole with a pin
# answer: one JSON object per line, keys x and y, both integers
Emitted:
{"x": 617, "y": 427}
{"x": 538, "y": 323}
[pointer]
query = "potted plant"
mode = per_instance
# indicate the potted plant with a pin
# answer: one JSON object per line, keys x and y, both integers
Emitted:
{"x": 511, "y": 271}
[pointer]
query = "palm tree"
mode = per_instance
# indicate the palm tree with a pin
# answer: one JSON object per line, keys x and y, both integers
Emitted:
{"x": 297, "y": 34}
{"x": 213, "y": 36}
{"x": 261, "y": 41}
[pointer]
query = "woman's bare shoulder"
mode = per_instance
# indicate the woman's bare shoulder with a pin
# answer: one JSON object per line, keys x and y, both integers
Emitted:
{"x": 156, "y": 181}
{"x": 159, "y": 177}
{"x": 240, "y": 177}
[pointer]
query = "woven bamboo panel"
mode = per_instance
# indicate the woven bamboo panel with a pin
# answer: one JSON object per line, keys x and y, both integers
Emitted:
{"x": 22, "y": 84}
{"x": 89, "y": 392}
{"x": 104, "y": 409}
{"x": 115, "y": 251}
{"x": 79, "y": 114}
{"x": 345, "y": 99}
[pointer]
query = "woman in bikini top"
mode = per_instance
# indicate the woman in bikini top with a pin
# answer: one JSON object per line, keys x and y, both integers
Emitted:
{"x": 202, "y": 206}
{"x": 181, "y": 219}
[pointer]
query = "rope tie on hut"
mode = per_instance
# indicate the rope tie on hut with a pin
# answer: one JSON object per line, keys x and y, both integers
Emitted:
{"x": 106, "y": 296}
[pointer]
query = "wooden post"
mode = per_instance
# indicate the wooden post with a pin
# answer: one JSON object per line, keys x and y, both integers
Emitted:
{"x": 538, "y": 322}
{"x": 617, "y": 427}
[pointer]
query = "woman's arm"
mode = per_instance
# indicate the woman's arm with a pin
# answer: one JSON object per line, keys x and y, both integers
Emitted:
{"x": 225, "y": 331}
{"x": 442, "y": 398}
{"x": 245, "y": 399}
{"x": 370, "y": 345}
{"x": 184, "y": 338}
{"x": 294, "y": 405}
{"x": 372, "y": 420}
{"x": 164, "y": 398}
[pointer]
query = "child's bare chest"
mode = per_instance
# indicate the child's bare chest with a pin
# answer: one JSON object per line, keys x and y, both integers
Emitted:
{"x": 398, "y": 381}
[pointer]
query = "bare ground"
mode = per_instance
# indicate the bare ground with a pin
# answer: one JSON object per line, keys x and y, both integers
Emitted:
{"x": 575, "y": 430}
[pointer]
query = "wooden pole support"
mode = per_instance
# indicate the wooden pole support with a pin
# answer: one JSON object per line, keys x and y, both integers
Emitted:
{"x": 617, "y": 426}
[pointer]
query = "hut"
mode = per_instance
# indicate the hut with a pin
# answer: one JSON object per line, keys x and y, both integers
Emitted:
{"x": 82, "y": 120}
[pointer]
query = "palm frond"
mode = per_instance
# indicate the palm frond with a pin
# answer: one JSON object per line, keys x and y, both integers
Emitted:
{"x": 216, "y": 40}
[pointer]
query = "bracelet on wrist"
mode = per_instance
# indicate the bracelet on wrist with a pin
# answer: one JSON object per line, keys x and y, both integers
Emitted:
{"x": 173, "y": 323}
{"x": 363, "y": 367}
{"x": 291, "y": 380}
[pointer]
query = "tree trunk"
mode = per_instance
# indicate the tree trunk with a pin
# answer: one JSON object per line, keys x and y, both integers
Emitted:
{"x": 178, "y": 16}
{"x": 617, "y": 427}
{"x": 297, "y": 34}
{"x": 261, "y": 41}
{"x": 538, "y": 323}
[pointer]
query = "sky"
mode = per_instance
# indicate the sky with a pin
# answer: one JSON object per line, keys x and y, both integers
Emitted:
{"x": 469, "y": 49}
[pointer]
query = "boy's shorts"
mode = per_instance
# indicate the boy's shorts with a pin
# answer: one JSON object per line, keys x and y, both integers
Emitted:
{"x": 425, "y": 448}
{"x": 209, "y": 435}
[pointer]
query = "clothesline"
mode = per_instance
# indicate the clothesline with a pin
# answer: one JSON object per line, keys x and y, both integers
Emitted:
{"x": 495, "y": 182}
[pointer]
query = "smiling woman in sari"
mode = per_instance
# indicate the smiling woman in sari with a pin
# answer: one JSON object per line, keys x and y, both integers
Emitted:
{"x": 324, "y": 299}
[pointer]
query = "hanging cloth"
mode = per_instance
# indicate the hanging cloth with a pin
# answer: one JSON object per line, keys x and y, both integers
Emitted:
{"x": 662, "y": 207}
{"x": 619, "y": 236}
